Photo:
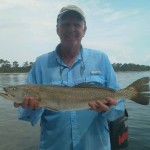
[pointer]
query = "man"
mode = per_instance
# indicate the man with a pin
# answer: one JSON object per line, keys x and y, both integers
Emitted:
{"x": 68, "y": 65}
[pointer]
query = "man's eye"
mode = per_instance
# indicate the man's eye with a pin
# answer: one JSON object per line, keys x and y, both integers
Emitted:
{"x": 77, "y": 25}
{"x": 65, "y": 25}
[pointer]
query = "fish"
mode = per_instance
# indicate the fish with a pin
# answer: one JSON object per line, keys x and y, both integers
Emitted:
{"x": 77, "y": 97}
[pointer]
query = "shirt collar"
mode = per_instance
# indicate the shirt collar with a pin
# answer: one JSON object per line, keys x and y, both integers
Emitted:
{"x": 59, "y": 60}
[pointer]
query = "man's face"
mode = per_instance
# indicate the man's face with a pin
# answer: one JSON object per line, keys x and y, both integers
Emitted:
{"x": 71, "y": 30}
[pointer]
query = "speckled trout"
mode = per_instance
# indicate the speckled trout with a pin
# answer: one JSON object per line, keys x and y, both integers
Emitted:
{"x": 77, "y": 97}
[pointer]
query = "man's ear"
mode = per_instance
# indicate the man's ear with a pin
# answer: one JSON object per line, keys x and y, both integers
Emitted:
{"x": 57, "y": 29}
{"x": 85, "y": 28}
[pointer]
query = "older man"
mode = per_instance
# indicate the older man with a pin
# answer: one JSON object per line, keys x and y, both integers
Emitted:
{"x": 68, "y": 65}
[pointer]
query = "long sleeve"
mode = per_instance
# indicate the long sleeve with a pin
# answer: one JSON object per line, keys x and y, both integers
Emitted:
{"x": 111, "y": 82}
{"x": 32, "y": 116}
{"x": 27, "y": 114}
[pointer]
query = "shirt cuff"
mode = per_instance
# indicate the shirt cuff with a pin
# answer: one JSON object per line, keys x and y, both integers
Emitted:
{"x": 30, "y": 115}
{"x": 115, "y": 111}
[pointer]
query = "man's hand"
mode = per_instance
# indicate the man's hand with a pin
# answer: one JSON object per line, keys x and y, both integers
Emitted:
{"x": 100, "y": 106}
{"x": 28, "y": 102}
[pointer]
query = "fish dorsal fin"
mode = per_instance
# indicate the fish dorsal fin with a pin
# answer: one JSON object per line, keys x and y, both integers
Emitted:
{"x": 89, "y": 85}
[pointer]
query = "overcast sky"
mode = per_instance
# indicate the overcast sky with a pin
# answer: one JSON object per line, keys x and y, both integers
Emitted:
{"x": 120, "y": 28}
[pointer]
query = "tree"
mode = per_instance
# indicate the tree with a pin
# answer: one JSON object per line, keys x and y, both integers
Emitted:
{"x": 1, "y": 62}
{"x": 15, "y": 64}
{"x": 6, "y": 63}
{"x": 25, "y": 64}
{"x": 31, "y": 64}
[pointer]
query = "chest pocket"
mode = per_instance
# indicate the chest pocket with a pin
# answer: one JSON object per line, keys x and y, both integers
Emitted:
{"x": 93, "y": 79}
{"x": 99, "y": 79}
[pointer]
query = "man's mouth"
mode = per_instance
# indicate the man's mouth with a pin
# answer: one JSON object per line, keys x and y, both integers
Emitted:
{"x": 70, "y": 37}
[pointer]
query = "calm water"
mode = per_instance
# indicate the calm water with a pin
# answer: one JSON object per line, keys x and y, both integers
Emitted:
{"x": 20, "y": 135}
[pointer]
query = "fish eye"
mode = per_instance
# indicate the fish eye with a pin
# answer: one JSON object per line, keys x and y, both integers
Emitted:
{"x": 13, "y": 88}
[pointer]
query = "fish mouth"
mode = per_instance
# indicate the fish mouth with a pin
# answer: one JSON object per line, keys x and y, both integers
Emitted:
{"x": 7, "y": 95}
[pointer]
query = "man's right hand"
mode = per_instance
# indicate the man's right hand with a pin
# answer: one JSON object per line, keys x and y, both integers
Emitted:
{"x": 28, "y": 102}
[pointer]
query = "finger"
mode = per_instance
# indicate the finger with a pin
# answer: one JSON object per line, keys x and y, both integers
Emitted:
{"x": 36, "y": 105}
{"x": 16, "y": 105}
{"x": 95, "y": 106}
{"x": 25, "y": 102}
{"x": 98, "y": 108}
{"x": 111, "y": 101}
{"x": 92, "y": 105}
{"x": 103, "y": 106}
{"x": 31, "y": 103}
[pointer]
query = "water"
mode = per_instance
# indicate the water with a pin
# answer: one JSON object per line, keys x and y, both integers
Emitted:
{"x": 15, "y": 134}
{"x": 20, "y": 135}
{"x": 139, "y": 118}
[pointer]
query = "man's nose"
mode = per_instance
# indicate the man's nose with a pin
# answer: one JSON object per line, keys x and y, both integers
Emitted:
{"x": 71, "y": 27}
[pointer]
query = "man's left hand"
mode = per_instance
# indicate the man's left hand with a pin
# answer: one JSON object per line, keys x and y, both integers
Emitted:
{"x": 100, "y": 106}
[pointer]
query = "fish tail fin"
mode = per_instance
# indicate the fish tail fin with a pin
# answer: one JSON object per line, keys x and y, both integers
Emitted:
{"x": 142, "y": 90}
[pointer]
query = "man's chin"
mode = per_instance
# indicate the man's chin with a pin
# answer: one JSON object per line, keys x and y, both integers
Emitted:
{"x": 70, "y": 43}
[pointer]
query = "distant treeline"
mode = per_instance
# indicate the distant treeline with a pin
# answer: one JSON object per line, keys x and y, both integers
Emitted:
{"x": 130, "y": 67}
{"x": 7, "y": 67}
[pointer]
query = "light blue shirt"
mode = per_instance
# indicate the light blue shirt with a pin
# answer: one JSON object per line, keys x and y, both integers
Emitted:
{"x": 73, "y": 130}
